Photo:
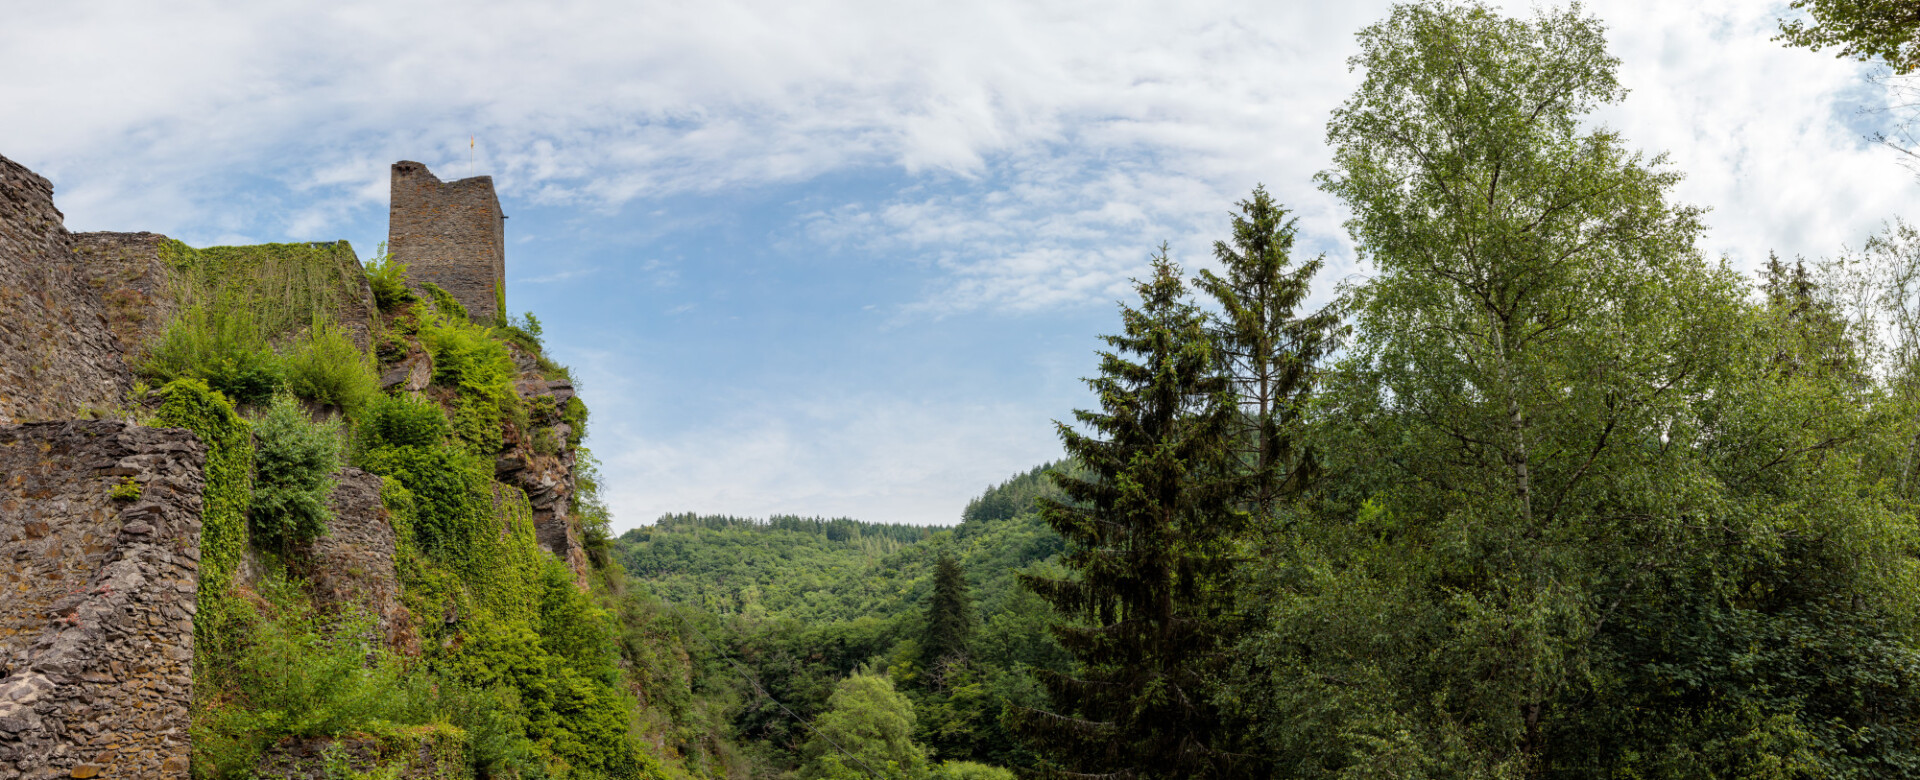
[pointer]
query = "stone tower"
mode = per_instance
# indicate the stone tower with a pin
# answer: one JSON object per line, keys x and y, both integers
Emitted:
{"x": 451, "y": 234}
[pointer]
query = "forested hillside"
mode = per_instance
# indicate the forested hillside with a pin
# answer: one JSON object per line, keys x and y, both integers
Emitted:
{"x": 803, "y": 603}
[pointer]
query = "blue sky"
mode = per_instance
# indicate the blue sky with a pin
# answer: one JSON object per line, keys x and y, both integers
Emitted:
{"x": 839, "y": 258}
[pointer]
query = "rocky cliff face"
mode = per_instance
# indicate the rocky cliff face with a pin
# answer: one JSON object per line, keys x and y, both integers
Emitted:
{"x": 537, "y": 462}
{"x": 125, "y": 273}
{"x": 352, "y": 566}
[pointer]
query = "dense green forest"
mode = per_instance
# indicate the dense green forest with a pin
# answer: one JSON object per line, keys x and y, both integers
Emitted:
{"x": 802, "y": 604}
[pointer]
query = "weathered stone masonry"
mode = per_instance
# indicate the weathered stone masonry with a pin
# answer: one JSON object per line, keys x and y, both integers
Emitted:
{"x": 57, "y": 353}
{"x": 450, "y": 234}
{"x": 96, "y": 617}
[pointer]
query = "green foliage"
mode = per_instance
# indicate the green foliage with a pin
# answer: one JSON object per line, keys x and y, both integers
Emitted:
{"x": 294, "y": 461}
{"x": 219, "y": 344}
{"x": 464, "y": 355}
{"x": 786, "y": 566}
{"x": 1588, "y": 509}
{"x": 585, "y": 505}
{"x": 126, "y": 490}
{"x": 444, "y": 302}
{"x": 867, "y": 731}
{"x": 1016, "y": 496}
{"x": 949, "y": 618}
{"x": 190, "y": 404}
{"x": 325, "y": 367}
{"x": 1150, "y": 552}
{"x": 238, "y": 302}
{"x": 523, "y": 661}
{"x": 400, "y": 421}
{"x": 575, "y": 416}
{"x": 524, "y": 332}
{"x": 451, "y": 490}
{"x": 967, "y": 770}
{"x": 1267, "y": 352}
{"x": 388, "y": 279}
{"x": 279, "y": 288}
{"x": 518, "y": 630}
{"x": 471, "y": 360}
{"x": 808, "y": 601}
{"x": 300, "y": 674}
{"x": 1886, "y": 30}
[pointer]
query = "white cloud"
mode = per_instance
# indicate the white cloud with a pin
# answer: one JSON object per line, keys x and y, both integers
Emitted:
{"x": 839, "y": 454}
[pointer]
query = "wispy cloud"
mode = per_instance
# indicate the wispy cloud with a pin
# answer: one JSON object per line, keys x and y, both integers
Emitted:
{"x": 558, "y": 276}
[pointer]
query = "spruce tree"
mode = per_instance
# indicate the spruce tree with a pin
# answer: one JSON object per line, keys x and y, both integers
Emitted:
{"x": 1150, "y": 524}
{"x": 1267, "y": 352}
{"x": 949, "y": 620}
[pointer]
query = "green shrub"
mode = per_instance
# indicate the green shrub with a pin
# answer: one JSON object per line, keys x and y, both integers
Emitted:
{"x": 400, "y": 421}
{"x": 465, "y": 354}
{"x": 496, "y": 728}
{"x": 545, "y": 441}
{"x": 295, "y": 458}
{"x": 125, "y": 490}
{"x": 575, "y": 416}
{"x": 222, "y": 345}
{"x": 326, "y": 367}
{"x": 967, "y": 770}
{"x": 302, "y": 674}
{"x": 451, "y": 491}
{"x": 444, "y": 301}
{"x": 524, "y": 333}
{"x": 476, "y": 422}
{"x": 388, "y": 278}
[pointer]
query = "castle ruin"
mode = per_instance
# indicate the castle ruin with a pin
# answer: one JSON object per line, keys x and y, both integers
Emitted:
{"x": 450, "y": 234}
{"x": 100, "y": 518}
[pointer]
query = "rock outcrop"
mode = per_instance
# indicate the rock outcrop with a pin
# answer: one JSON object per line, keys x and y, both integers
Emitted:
{"x": 542, "y": 467}
{"x": 352, "y": 567}
{"x": 413, "y": 754}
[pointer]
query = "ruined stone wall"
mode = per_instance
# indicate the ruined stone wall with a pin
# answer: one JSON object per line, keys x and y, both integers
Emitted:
{"x": 357, "y": 313}
{"x": 100, "y": 527}
{"x": 58, "y": 355}
{"x": 451, "y": 234}
{"x": 125, "y": 273}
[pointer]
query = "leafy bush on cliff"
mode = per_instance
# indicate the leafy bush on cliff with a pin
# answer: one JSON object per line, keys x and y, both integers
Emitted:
{"x": 294, "y": 461}
{"x": 387, "y": 278}
{"x": 221, "y": 345}
{"x": 326, "y": 367}
{"x": 400, "y": 421}
{"x": 303, "y": 674}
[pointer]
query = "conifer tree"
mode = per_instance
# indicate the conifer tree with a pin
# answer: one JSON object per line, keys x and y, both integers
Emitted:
{"x": 1267, "y": 352}
{"x": 949, "y": 619}
{"x": 1149, "y": 526}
